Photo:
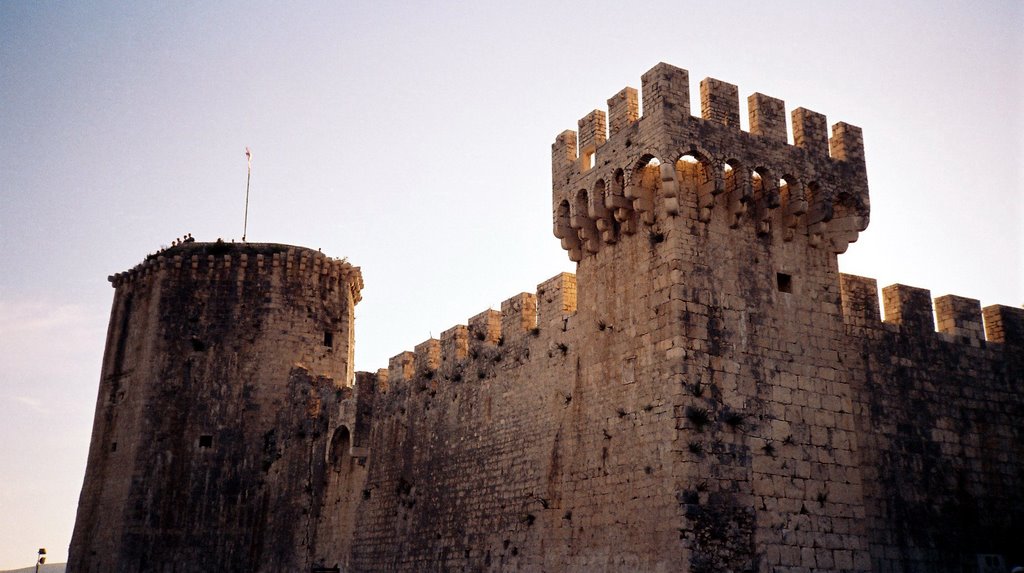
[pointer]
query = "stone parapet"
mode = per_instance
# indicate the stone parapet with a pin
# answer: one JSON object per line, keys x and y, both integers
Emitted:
{"x": 666, "y": 163}
{"x": 243, "y": 261}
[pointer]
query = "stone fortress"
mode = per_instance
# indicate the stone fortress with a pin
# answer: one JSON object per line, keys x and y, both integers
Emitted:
{"x": 708, "y": 393}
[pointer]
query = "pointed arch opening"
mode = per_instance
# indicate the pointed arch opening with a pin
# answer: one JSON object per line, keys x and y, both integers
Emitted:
{"x": 644, "y": 185}
{"x": 607, "y": 225}
{"x": 765, "y": 198}
{"x": 620, "y": 206}
{"x": 736, "y": 182}
{"x": 580, "y": 220}
{"x": 698, "y": 180}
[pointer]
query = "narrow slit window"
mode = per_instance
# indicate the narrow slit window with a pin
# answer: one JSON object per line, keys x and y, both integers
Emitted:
{"x": 328, "y": 339}
{"x": 784, "y": 282}
{"x": 113, "y": 446}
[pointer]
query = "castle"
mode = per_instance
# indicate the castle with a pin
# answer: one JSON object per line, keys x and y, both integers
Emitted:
{"x": 707, "y": 393}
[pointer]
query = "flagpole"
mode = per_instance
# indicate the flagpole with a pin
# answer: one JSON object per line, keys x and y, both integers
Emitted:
{"x": 248, "y": 177}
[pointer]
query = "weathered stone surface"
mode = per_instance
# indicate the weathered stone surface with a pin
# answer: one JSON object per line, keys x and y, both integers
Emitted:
{"x": 707, "y": 393}
{"x": 220, "y": 391}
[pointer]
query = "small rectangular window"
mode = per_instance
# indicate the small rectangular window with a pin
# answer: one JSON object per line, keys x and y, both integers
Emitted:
{"x": 328, "y": 339}
{"x": 589, "y": 160}
{"x": 206, "y": 441}
{"x": 113, "y": 446}
{"x": 784, "y": 282}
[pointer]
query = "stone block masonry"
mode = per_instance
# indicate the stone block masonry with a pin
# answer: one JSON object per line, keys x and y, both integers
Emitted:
{"x": 707, "y": 393}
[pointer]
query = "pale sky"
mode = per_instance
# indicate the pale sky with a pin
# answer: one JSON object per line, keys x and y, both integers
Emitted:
{"x": 416, "y": 142}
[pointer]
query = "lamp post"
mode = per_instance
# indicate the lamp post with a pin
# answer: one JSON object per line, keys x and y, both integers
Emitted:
{"x": 40, "y": 558}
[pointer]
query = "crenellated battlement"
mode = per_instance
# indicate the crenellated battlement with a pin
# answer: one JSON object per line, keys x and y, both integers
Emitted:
{"x": 245, "y": 261}
{"x": 911, "y": 310}
{"x": 522, "y": 317}
{"x": 631, "y": 167}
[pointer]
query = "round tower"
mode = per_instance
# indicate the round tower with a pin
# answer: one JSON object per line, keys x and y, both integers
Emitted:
{"x": 223, "y": 367}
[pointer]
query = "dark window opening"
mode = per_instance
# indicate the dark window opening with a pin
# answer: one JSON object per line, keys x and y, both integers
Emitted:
{"x": 784, "y": 281}
{"x": 329, "y": 339}
{"x": 205, "y": 441}
{"x": 198, "y": 345}
{"x": 113, "y": 446}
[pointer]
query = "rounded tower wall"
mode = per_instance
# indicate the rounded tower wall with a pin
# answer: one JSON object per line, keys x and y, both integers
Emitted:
{"x": 222, "y": 368}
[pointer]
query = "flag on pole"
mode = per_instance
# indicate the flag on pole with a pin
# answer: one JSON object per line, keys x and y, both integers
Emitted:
{"x": 248, "y": 176}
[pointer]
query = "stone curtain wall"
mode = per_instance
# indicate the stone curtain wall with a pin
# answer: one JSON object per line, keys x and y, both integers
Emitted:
{"x": 940, "y": 418}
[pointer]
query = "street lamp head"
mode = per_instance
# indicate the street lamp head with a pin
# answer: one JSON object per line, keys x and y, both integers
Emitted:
{"x": 42, "y": 551}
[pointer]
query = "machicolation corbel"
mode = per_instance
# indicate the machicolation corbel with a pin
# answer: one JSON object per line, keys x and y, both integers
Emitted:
{"x": 635, "y": 166}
